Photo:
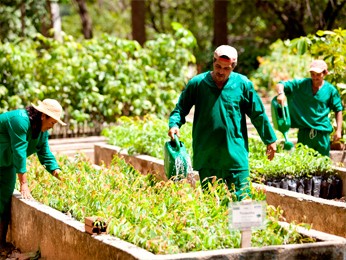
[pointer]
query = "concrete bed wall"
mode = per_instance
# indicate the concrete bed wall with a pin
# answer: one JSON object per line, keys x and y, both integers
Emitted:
{"x": 324, "y": 215}
{"x": 35, "y": 226}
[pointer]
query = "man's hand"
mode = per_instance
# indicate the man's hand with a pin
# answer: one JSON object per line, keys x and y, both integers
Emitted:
{"x": 337, "y": 136}
{"x": 282, "y": 100}
{"x": 281, "y": 97}
{"x": 172, "y": 131}
{"x": 271, "y": 149}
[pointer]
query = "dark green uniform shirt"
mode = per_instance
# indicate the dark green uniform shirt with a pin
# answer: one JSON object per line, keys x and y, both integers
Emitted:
{"x": 308, "y": 110}
{"x": 16, "y": 142}
{"x": 220, "y": 139}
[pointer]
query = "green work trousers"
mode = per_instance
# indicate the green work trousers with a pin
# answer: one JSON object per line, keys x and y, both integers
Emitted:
{"x": 236, "y": 181}
{"x": 7, "y": 185}
{"x": 317, "y": 140}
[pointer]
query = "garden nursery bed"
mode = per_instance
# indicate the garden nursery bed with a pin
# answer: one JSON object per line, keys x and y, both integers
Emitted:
{"x": 58, "y": 234}
{"x": 60, "y": 237}
{"x": 322, "y": 214}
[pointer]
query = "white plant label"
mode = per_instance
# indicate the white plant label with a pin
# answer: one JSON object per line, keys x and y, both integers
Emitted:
{"x": 245, "y": 215}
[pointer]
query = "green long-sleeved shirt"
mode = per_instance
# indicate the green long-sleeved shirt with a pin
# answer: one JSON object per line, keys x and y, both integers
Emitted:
{"x": 220, "y": 139}
{"x": 308, "y": 110}
{"x": 16, "y": 143}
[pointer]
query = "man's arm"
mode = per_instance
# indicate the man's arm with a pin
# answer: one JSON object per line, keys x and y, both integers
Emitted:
{"x": 281, "y": 97}
{"x": 338, "y": 117}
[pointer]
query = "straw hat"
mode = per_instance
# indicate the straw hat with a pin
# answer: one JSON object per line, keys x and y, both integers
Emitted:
{"x": 51, "y": 108}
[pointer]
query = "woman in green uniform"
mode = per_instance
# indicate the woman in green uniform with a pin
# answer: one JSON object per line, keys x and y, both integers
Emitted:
{"x": 22, "y": 133}
{"x": 222, "y": 99}
{"x": 310, "y": 100}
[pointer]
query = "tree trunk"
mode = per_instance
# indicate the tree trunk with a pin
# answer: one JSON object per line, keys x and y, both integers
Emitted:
{"x": 330, "y": 14}
{"x": 138, "y": 20}
{"x": 51, "y": 20}
{"x": 220, "y": 22}
{"x": 46, "y": 22}
{"x": 56, "y": 20}
{"x": 22, "y": 18}
{"x": 85, "y": 18}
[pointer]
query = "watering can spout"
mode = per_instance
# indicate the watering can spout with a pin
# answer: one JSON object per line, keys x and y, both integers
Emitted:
{"x": 281, "y": 120}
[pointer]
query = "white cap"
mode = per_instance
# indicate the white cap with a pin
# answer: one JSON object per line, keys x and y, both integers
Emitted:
{"x": 228, "y": 51}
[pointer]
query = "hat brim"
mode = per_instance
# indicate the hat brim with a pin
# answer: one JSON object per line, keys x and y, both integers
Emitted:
{"x": 48, "y": 113}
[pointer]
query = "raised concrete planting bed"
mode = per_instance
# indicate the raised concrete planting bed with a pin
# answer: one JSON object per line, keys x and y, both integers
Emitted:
{"x": 324, "y": 215}
{"x": 35, "y": 226}
{"x": 69, "y": 146}
{"x": 143, "y": 163}
{"x": 338, "y": 157}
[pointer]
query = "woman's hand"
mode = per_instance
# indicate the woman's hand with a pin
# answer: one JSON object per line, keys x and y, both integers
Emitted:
{"x": 56, "y": 173}
{"x": 24, "y": 190}
{"x": 24, "y": 187}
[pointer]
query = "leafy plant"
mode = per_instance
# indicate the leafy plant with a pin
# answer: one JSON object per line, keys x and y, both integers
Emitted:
{"x": 145, "y": 135}
{"x": 97, "y": 80}
{"x": 281, "y": 64}
{"x": 162, "y": 217}
{"x": 148, "y": 135}
{"x": 302, "y": 162}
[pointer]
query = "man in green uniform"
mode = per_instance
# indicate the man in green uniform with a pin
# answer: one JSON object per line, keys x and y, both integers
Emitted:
{"x": 22, "y": 133}
{"x": 310, "y": 100}
{"x": 222, "y": 99}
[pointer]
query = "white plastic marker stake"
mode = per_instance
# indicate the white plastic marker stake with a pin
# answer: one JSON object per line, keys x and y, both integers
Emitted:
{"x": 245, "y": 238}
{"x": 246, "y": 215}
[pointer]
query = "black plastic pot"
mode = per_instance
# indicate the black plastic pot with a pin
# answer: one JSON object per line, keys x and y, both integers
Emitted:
{"x": 300, "y": 185}
{"x": 307, "y": 185}
{"x": 292, "y": 184}
{"x": 284, "y": 183}
{"x": 276, "y": 183}
{"x": 335, "y": 188}
{"x": 316, "y": 186}
{"x": 324, "y": 189}
{"x": 268, "y": 183}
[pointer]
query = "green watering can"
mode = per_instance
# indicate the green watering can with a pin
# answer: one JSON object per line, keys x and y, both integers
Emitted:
{"x": 281, "y": 120}
{"x": 177, "y": 161}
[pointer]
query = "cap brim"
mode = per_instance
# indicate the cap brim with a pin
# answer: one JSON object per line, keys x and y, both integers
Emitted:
{"x": 317, "y": 70}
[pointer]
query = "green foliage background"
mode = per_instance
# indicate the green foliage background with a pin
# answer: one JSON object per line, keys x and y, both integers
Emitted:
{"x": 97, "y": 80}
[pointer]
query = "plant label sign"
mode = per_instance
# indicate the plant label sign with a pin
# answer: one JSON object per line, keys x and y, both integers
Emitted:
{"x": 245, "y": 215}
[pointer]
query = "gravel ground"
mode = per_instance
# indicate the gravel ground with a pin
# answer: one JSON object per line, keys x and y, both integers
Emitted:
{"x": 13, "y": 253}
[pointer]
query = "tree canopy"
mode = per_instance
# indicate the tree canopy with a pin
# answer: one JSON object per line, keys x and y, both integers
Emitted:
{"x": 251, "y": 25}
